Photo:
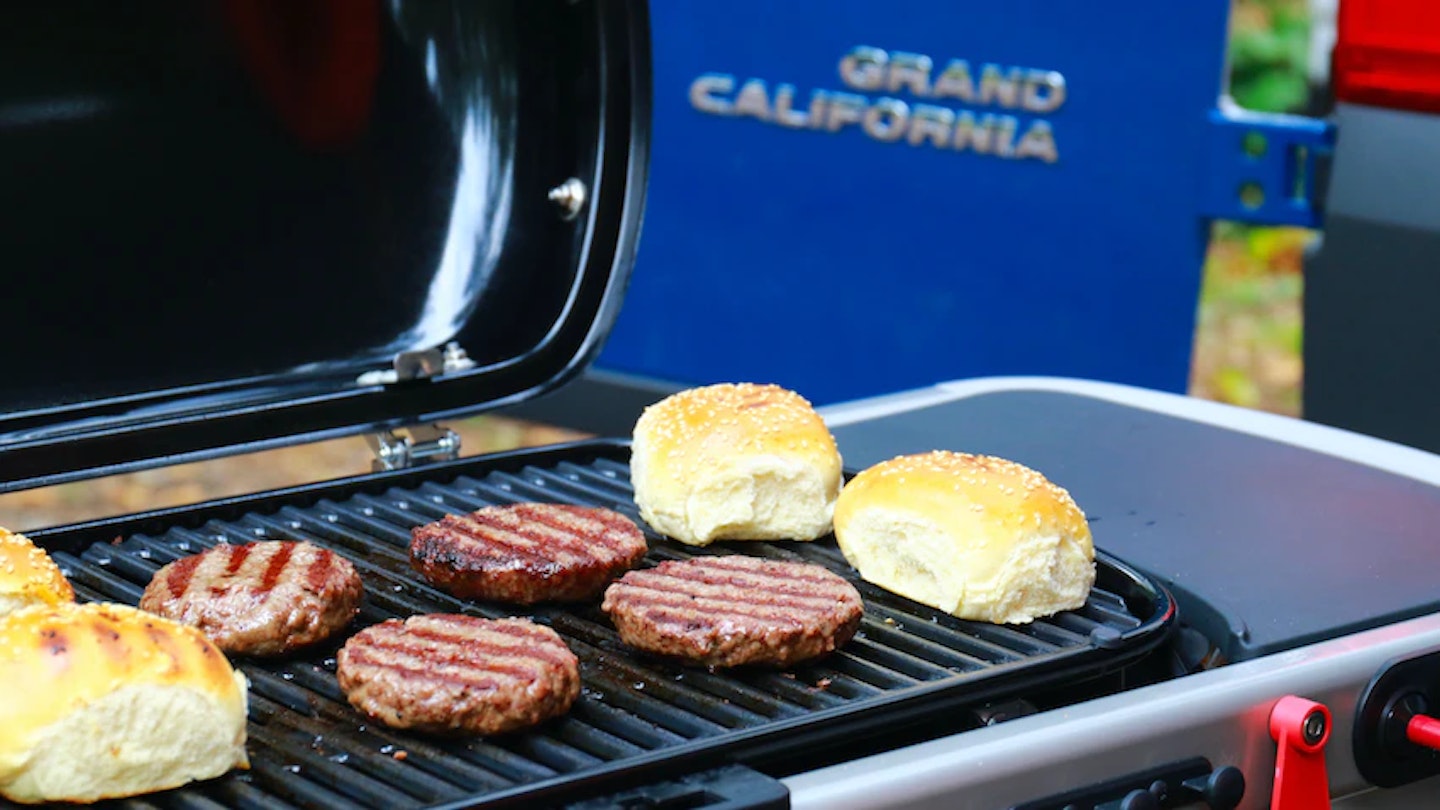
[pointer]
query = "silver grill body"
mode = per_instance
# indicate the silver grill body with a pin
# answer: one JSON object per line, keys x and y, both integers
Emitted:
{"x": 1221, "y": 714}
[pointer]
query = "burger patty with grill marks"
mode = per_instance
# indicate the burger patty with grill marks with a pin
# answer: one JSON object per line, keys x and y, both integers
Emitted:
{"x": 449, "y": 674}
{"x": 526, "y": 553}
{"x": 728, "y": 611}
{"x": 265, "y": 598}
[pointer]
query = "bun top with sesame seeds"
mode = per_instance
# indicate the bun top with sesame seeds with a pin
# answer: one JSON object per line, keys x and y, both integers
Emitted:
{"x": 28, "y": 576}
{"x": 735, "y": 461}
{"x": 977, "y": 536}
{"x": 105, "y": 700}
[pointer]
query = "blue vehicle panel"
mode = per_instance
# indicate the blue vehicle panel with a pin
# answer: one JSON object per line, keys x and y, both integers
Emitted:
{"x": 854, "y": 198}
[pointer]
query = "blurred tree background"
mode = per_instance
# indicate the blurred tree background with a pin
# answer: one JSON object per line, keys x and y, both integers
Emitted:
{"x": 1247, "y": 342}
{"x": 1269, "y": 54}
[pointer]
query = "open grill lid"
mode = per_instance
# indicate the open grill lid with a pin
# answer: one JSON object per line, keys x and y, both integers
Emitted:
{"x": 244, "y": 223}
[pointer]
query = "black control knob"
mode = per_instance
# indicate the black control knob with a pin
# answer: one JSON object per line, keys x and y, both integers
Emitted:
{"x": 1140, "y": 800}
{"x": 1222, "y": 789}
{"x": 1185, "y": 783}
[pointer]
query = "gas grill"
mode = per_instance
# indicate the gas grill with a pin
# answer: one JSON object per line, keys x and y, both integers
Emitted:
{"x": 638, "y": 718}
{"x": 435, "y": 213}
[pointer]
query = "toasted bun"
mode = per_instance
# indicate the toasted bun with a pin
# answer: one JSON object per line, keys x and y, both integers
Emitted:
{"x": 735, "y": 462}
{"x": 976, "y": 536}
{"x": 28, "y": 576}
{"x": 102, "y": 701}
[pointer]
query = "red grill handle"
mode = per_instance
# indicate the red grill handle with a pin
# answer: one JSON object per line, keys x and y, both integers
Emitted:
{"x": 1300, "y": 728}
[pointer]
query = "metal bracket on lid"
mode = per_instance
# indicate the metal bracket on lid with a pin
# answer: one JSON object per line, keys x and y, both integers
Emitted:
{"x": 421, "y": 444}
{"x": 420, "y": 364}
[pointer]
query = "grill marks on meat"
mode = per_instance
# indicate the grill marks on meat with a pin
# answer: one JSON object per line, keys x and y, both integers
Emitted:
{"x": 526, "y": 553}
{"x": 265, "y": 598}
{"x": 448, "y": 673}
{"x": 734, "y": 610}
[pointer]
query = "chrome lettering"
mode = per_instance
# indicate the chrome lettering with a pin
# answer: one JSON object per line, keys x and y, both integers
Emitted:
{"x": 819, "y": 102}
{"x": 955, "y": 82}
{"x": 979, "y": 137}
{"x": 784, "y": 115}
{"x": 1005, "y": 135}
{"x": 704, "y": 89}
{"x": 753, "y": 101}
{"x": 928, "y": 121}
{"x": 845, "y": 108}
{"x": 1038, "y": 142}
{"x": 911, "y": 71}
{"x": 887, "y": 119}
{"x": 999, "y": 88}
{"x": 1044, "y": 91}
{"x": 893, "y": 117}
{"x": 863, "y": 68}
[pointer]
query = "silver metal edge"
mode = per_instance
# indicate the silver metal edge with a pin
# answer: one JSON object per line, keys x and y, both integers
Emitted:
{"x": 1366, "y": 450}
{"x": 1222, "y": 714}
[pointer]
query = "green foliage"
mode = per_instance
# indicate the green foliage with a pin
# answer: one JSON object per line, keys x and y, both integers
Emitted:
{"x": 1268, "y": 51}
{"x": 1236, "y": 387}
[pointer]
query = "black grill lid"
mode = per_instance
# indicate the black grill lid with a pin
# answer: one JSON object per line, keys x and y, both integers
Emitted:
{"x": 226, "y": 221}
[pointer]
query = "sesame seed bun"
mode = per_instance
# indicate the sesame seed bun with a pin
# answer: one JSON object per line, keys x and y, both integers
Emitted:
{"x": 103, "y": 701}
{"x": 735, "y": 462}
{"x": 975, "y": 536}
{"x": 28, "y": 576}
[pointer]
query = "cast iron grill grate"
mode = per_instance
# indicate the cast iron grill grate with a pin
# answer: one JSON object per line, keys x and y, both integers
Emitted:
{"x": 310, "y": 749}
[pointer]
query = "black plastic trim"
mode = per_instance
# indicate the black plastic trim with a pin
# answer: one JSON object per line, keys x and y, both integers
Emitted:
{"x": 1174, "y": 784}
{"x": 1402, "y": 688}
{"x": 733, "y": 787}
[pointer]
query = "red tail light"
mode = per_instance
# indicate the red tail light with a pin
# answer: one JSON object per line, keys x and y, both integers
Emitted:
{"x": 1387, "y": 54}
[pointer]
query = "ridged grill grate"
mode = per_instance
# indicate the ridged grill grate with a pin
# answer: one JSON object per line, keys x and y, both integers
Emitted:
{"x": 310, "y": 749}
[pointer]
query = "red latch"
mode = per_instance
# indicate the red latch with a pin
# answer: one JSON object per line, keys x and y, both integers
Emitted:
{"x": 1424, "y": 730}
{"x": 1300, "y": 728}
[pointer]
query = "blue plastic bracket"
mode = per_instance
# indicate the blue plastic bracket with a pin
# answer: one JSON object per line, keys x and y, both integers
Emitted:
{"x": 1263, "y": 167}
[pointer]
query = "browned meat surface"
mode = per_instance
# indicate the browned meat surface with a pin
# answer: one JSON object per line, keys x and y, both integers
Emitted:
{"x": 526, "y": 553}
{"x": 267, "y": 598}
{"x": 447, "y": 673}
{"x": 728, "y": 611}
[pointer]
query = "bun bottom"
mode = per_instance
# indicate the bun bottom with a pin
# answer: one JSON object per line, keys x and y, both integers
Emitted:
{"x": 10, "y": 604}
{"x": 1041, "y": 574}
{"x": 764, "y": 499}
{"x": 129, "y": 742}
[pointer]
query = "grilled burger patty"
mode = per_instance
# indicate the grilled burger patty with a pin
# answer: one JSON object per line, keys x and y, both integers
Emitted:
{"x": 266, "y": 598}
{"x": 446, "y": 673}
{"x": 728, "y": 611}
{"x": 526, "y": 553}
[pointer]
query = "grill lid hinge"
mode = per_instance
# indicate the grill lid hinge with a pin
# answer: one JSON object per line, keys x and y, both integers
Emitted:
{"x": 410, "y": 447}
